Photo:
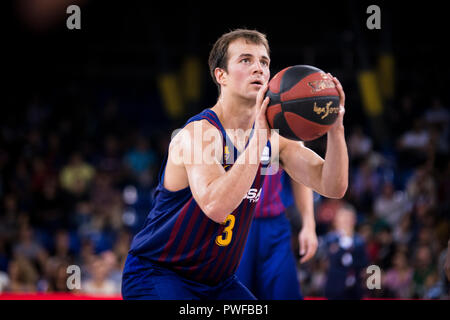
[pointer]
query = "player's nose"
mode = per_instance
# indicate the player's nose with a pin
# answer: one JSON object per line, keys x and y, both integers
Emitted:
{"x": 258, "y": 68}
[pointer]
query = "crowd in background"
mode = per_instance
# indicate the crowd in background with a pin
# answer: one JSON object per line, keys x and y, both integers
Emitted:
{"x": 75, "y": 193}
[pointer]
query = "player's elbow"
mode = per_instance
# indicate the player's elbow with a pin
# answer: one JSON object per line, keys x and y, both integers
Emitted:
{"x": 215, "y": 212}
{"x": 338, "y": 191}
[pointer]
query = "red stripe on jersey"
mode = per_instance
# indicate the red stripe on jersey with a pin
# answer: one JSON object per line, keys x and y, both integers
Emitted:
{"x": 175, "y": 230}
{"x": 187, "y": 233}
{"x": 204, "y": 248}
{"x": 197, "y": 238}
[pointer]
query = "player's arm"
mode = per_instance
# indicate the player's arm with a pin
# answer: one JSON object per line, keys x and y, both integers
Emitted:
{"x": 218, "y": 192}
{"x": 328, "y": 176}
{"x": 303, "y": 198}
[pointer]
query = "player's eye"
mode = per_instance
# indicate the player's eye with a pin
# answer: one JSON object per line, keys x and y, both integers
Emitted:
{"x": 245, "y": 60}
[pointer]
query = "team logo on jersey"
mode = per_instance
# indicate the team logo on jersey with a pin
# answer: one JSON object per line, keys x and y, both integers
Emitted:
{"x": 253, "y": 194}
{"x": 265, "y": 157}
{"x": 226, "y": 153}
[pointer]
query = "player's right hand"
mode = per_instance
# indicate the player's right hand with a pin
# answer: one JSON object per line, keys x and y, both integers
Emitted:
{"x": 261, "y": 108}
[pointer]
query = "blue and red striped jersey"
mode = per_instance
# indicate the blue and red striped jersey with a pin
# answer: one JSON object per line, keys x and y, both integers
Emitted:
{"x": 180, "y": 237}
{"x": 276, "y": 195}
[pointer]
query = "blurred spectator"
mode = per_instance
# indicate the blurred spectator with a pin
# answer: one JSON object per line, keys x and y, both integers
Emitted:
{"x": 54, "y": 158}
{"x": 50, "y": 207}
{"x": 347, "y": 257}
{"x": 140, "y": 159}
{"x": 122, "y": 246}
{"x": 99, "y": 284}
{"x": 359, "y": 145}
{"x": 28, "y": 247}
{"x": 437, "y": 113}
{"x": 22, "y": 275}
{"x": 4, "y": 281}
{"x": 447, "y": 262}
{"x": 397, "y": 281}
{"x": 391, "y": 205}
{"x": 385, "y": 246}
{"x": 403, "y": 231}
{"x": 365, "y": 184}
{"x": 77, "y": 175}
{"x": 424, "y": 271}
{"x": 9, "y": 217}
{"x": 62, "y": 247}
{"x": 325, "y": 214}
{"x": 39, "y": 174}
{"x": 106, "y": 201}
{"x": 55, "y": 277}
{"x": 422, "y": 187}
{"x": 114, "y": 269}
{"x": 110, "y": 161}
{"x": 86, "y": 257}
{"x": 318, "y": 278}
{"x": 402, "y": 117}
{"x": 414, "y": 144}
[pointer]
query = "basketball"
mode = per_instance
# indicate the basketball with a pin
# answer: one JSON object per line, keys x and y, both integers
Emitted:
{"x": 304, "y": 103}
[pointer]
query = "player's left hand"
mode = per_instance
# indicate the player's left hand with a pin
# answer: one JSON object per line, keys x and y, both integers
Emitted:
{"x": 340, "y": 120}
{"x": 307, "y": 240}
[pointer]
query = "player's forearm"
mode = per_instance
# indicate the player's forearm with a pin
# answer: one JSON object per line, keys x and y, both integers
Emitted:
{"x": 225, "y": 193}
{"x": 334, "y": 177}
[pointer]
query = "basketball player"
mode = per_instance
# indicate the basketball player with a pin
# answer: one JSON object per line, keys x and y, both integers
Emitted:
{"x": 193, "y": 237}
{"x": 268, "y": 267}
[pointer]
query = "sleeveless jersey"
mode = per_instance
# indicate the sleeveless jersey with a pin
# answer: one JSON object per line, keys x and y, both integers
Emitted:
{"x": 179, "y": 236}
{"x": 276, "y": 195}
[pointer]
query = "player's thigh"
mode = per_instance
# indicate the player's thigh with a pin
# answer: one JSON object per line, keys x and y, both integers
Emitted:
{"x": 233, "y": 289}
{"x": 148, "y": 281}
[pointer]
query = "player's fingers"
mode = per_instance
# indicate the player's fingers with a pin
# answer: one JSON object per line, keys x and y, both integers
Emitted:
{"x": 264, "y": 105}
{"x": 340, "y": 89}
{"x": 261, "y": 93}
{"x": 302, "y": 246}
{"x": 307, "y": 255}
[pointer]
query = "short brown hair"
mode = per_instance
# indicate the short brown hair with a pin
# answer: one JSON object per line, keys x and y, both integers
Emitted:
{"x": 218, "y": 57}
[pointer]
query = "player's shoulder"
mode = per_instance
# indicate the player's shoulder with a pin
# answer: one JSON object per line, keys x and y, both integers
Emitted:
{"x": 195, "y": 130}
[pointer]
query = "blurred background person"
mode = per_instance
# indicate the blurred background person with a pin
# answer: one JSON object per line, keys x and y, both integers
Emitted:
{"x": 347, "y": 257}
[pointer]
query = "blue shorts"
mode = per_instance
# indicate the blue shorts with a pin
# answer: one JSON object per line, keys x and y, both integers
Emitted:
{"x": 144, "y": 280}
{"x": 268, "y": 266}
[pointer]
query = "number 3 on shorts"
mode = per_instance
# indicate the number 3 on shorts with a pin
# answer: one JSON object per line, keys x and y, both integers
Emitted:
{"x": 225, "y": 238}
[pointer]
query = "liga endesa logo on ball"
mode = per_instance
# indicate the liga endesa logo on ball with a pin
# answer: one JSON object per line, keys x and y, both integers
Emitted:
{"x": 206, "y": 146}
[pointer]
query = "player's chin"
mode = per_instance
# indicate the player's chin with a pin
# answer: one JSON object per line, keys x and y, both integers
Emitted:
{"x": 252, "y": 92}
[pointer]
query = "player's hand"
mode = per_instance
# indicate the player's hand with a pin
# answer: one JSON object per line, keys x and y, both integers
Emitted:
{"x": 307, "y": 240}
{"x": 340, "y": 119}
{"x": 261, "y": 108}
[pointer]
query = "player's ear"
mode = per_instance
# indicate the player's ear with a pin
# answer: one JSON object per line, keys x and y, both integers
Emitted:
{"x": 221, "y": 76}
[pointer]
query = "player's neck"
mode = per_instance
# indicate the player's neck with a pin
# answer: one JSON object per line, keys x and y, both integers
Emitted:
{"x": 235, "y": 113}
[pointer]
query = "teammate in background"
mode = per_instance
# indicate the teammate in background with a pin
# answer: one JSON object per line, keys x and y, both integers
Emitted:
{"x": 268, "y": 267}
{"x": 194, "y": 236}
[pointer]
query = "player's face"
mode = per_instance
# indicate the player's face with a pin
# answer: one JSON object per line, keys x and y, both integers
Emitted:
{"x": 344, "y": 220}
{"x": 248, "y": 68}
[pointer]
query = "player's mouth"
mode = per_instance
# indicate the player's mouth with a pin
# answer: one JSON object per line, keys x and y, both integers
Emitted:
{"x": 258, "y": 83}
